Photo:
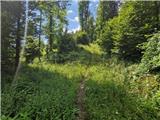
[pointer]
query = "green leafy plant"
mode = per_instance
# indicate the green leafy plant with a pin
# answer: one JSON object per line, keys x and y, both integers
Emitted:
{"x": 151, "y": 58}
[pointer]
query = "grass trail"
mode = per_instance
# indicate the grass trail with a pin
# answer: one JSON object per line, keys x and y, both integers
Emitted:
{"x": 74, "y": 91}
{"x": 80, "y": 101}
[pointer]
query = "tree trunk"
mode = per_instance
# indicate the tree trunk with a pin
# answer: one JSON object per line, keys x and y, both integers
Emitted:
{"x": 40, "y": 26}
{"x": 157, "y": 3}
{"x": 18, "y": 44}
{"x": 50, "y": 34}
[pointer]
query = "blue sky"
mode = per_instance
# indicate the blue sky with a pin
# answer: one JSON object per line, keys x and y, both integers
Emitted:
{"x": 72, "y": 14}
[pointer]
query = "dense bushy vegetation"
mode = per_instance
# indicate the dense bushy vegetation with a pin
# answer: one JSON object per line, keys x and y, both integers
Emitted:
{"x": 42, "y": 92}
{"x": 123, "y": 33}
{"x": 81, "y": 37}
{"x": 32, "y": 49}
{"x": 151, "y": 58}
{"x": 113, "y": 59}
{"x": 105, "y": 88}
{"x": 111, "y": 87}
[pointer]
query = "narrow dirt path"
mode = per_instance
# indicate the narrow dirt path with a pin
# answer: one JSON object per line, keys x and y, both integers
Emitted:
{"x": 80, "y": 101}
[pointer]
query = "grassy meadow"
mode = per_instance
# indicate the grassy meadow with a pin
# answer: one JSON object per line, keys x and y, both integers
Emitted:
{"x": 80, "y": 60}
{"x": 48, "y": 92}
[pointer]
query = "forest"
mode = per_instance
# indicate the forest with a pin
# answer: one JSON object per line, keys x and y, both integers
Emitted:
{"x": 108, "y": 69}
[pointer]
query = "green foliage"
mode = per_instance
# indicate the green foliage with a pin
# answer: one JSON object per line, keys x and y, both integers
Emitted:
{"x": 106, "y": 10}
{"x": 81, "y": 37}
{"x": 105, "y": 39}
{"x": 84, "y": 14}
{"x": 42, "y": 92}
{"x": 92, "y": 48}
{"x": 32, "y": 49}
{"x": 123, "y": 33}
{"x": 92, "y": 53}
{"x": 111, "y": 94}
{"x": 91, "y": 29}
{"x": 55, "y": 12}
{"x": 67, "y": 44}
{"x": 151, "y": 59}
{"x": 11, "y": 33}
{"x": 86, "y": 20}
{"x": 45, "y": 91}
{"x": 65, "y": 47}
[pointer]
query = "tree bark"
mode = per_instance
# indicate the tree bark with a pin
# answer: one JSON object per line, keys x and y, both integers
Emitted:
{"x": 40, "y": 26}
{"x": 50, "y": 34}
{"x": 157, "y": 3}
{"x": 18, "y": 44}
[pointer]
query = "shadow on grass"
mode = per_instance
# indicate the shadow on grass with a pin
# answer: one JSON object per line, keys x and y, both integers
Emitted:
{"x": 40, "y": 94}
{"x": 81, "y": 55}
{"x": 109, "y": 101}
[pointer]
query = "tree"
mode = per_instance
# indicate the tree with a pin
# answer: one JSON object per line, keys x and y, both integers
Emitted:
{"x": 84, "y": 14}
{"x": 130, "y": 29}
{"x": 105, "y": 39}
{"x": 19, "y": 34}
{"x": 36, "y": 19}
{"x": 12, "y": 15}
{"x": 67, "y": 44}
{"x": 91, "y": 29}
{"x": 55, "y": 12}
{"x": 7, "y": 49}
{"x": 133, "y": 27}
{"x": 106, "y": 10}
{"x": 151, "y": 58}
{"x": 40, "y": 31}
{"x": 12, "y": 31}
{"x": 32, "y": 49}
{"x": 81, "y": 37}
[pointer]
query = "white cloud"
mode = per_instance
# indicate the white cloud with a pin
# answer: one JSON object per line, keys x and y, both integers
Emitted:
{"x": 76, "y": 19}
{"x": 64, "y": 29}
{"x": 96, "y": 5}
{"x": 90, "y": 5}
{"x": 95, "y": 1}
{"x": 69, "y": 11}
{"x": 71, "y": 20}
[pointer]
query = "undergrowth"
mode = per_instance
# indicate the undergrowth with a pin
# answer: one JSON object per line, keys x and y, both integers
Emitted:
{"x": 42, "y": 92}
{"x": 113, "y": 94}
{"x": 48, "y": 92}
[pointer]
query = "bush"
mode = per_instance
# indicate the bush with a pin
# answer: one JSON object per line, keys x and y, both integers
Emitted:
{"x": 105, "y": 39}
{"x": 81, "y": 37}
{"x": 123, "y": 33}
{"x": 151, "y": 59}
{"x": 66, "y": 44}
{"x": 32, "y": 49}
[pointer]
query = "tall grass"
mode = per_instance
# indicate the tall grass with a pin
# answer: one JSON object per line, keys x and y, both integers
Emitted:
{"x": 48, "y": 92}
{"x": 43, "y": 92}
{"x": 111, "y": 94}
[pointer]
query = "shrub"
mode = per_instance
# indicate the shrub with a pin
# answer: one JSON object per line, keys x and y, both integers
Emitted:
{"x": 66, "y": 44}
{"x": 105, "y": 39}
{"x": 151, "y": 59}
{"x": 123, "y": 33}
{"x": 81, "y": 37}
{"x": 32, "y": 49}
